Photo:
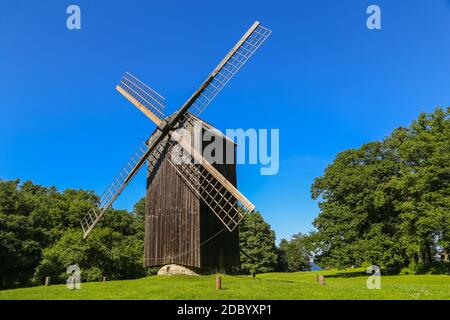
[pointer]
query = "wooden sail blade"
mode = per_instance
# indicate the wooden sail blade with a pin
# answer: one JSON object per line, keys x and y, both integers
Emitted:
{"x": 221, "y": 196}
{"x": 227, "y": 68}
{"x": 143, "y": 97}
{"x": 150, "y": 151}
{"x": 216, "y": 191}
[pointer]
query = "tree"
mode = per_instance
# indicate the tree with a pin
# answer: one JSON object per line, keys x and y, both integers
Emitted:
{"x": 282, "y": 263}
{"x": 37, "y": 223}
{"x": 425, "y": 187}
{"x": 296, "y": 252}
{"x": 257, "y": 240}
{"x": 19, "y": 245}
{"x": 139, "y": 218}
{"x": 387, "y": 202}
{"x": 32, "y": 217}
{"x": 104, "y": 253}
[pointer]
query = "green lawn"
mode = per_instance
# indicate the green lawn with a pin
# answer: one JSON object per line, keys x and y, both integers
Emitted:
{"x": 302, "y": 285}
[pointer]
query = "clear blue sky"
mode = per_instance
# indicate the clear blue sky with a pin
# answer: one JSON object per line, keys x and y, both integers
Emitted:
{"x": 325, "y": 80}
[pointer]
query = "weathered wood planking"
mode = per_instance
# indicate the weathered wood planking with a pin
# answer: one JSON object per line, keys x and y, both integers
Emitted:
{"x": 222, "y": 250}
{"x": 177, "y": 222}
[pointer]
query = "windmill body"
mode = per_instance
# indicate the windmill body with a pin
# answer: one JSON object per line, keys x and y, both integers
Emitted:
{"x": 179, "y": 227}
{"x": 193, "y": 206}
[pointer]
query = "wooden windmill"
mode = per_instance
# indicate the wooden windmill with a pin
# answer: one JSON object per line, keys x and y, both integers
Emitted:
{"x": 190, "y": 202}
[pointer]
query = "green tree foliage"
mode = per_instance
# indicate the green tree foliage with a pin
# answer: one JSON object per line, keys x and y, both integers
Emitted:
{"x": 257, "y": 240}
{"x": 295, "y": 255}
{"x": 282, "y": 263}
{"x": 105, "y": 253}
{"x": 36, "y": 224}
{"x": 139, "y": 218}
{"x": 19, "y": 241}
{"x": 388, "y": 202}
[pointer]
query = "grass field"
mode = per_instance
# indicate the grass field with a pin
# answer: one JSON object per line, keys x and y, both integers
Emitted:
{"x": 302, "y": 285}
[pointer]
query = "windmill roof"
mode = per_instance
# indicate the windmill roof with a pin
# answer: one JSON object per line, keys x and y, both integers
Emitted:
{"x": 206, "y": 125}
{"x": 211, "y": 127}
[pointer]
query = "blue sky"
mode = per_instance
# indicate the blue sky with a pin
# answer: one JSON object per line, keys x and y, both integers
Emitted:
{"x": 322, "y": 78}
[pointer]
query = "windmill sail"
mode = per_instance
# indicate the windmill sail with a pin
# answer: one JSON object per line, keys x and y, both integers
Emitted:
{"x": 230, "y": 65}
{"x": 142, "y": 96}
{"x": 216, "y": 191}
{"x": 229, "y": 206}
{"x": 151, "y": 152}
{"x": 221, "y": 196}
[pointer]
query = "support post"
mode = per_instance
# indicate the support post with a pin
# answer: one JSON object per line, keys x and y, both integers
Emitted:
{"x": 218, "y": 283}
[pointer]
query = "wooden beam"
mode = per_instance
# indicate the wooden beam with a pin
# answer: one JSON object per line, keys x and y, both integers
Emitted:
{"x": 216, "y": 174}
{"x": 235, "y": 48}
{"x": 130, "y": 176}
{"x": 141, "y": 107}
{"x": 185, "y": 107}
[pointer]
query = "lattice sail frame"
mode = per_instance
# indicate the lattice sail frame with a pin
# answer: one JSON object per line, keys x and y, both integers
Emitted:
{"x": 152, "y": 104}
{"x": 114, "y": 189}
{"x": 228, "y": 209}
{"x": 144, "y": 95}
{"x": 244, "y": 49}
{"x": 223, "y": 204}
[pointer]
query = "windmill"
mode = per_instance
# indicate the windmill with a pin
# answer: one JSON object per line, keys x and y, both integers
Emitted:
{"x": 176, "y": 231}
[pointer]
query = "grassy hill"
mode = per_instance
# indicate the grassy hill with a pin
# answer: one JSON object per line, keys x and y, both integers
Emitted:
{"x": 349, "y": 284}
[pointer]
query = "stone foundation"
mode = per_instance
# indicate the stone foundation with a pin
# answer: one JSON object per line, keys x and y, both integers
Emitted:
{"x": 174, "y": 269}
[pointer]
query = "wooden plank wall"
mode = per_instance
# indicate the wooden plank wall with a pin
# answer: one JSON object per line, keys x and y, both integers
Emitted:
{"x": 177, "y": 222}
{"x": 222, "y": 251}
{"x": 172, "y": 230}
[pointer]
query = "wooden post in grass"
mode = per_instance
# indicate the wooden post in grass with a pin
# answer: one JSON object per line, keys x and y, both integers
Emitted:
{"x": 47, "y": 281}
{"x": 218, "y": 283}
{"x": 104, "y": 279}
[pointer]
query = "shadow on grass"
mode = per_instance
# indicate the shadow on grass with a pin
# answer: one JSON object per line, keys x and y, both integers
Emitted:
{"x": 274, "y": 280}
{"x": 433, "y": 268}
{"x": 346, "y": 274}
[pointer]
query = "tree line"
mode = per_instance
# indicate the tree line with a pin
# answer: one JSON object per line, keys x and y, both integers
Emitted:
{"x": 385, "y": 203}
{"x": 40, "y": 236}
{"x": 388, "y": 202}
